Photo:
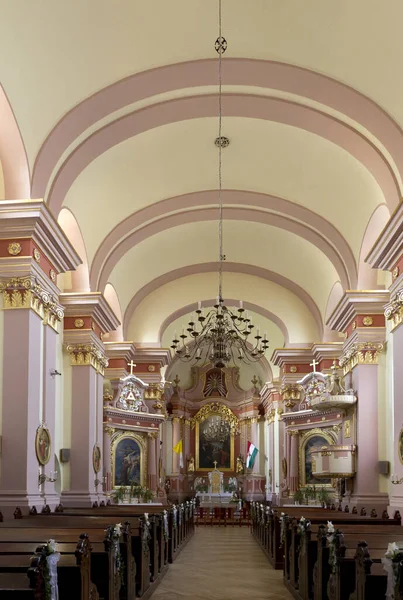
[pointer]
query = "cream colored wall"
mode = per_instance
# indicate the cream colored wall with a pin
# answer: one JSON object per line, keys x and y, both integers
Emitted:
{"x": 386, "y": 439}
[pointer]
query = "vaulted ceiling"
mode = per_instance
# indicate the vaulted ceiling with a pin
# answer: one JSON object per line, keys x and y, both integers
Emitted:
{"x": 109, "y": 113}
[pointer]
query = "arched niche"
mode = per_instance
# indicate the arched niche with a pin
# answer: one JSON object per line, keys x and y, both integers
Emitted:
{"x": 78, "y": 280}
{"x": 112, "y": 299}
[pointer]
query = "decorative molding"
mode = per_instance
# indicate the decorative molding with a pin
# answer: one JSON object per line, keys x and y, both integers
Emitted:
{"x": 79, "y": 323}
{"x": 14, "y": 248}
{"x": 84, "y": 355}
{"x": 26, "y": 292}
{"x": 291, "y": 394}
{"x": 366, "y": 353}
{"x": 394, "y": 310}
{"x": 215, "y": 408}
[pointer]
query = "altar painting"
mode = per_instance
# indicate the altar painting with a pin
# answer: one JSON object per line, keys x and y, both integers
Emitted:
{"x": 208, "y": 450}
{"x": 311, "y": 441}
{"x": 127, "y": 461}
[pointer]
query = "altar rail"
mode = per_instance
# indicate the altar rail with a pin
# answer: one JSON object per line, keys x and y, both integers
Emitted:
{"x": 223, "y": 515}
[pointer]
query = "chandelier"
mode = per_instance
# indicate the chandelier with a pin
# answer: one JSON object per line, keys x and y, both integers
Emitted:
{"x": 217, "y": 430}
{"x": 222, "y": 334}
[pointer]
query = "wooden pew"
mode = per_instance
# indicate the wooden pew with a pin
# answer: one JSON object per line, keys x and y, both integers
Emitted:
{"x": 19, "y": 580}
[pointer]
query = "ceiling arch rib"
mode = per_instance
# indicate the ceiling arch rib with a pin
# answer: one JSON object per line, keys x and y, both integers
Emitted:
{"x": 145, "y": 323}
{"x": 231, "y": 213}
{"x": 228, "y": 267}
{"x": 234, "y": 105}
{"x": 112, "y": 248}
{"x": 236, "y": 71}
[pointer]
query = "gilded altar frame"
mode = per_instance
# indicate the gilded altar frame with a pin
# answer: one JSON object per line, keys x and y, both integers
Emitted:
{"x": 215, "y": 409}
{"x": 304, "y": 438}
{"x": 142, "y": 442}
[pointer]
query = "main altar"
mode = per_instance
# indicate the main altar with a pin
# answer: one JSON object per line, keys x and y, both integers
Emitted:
{"x": 215, "y": 493}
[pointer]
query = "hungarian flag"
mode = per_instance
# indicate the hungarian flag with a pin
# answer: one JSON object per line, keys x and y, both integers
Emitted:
{"x": 179, "y": 450}
{"x": 252, "y": 453}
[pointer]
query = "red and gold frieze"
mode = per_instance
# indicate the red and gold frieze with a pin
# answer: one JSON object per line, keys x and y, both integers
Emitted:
{"x": 27, "y": 248}
{"x": 366, "y": 321}
{"x": 151, "y": 367}
{"x": 84, "y": 323}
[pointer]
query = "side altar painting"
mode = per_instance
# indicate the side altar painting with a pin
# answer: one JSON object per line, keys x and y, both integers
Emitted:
{"x": 127, "y": 461}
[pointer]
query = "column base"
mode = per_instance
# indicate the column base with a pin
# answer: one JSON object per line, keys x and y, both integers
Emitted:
{"x": 379, "y": 502}
{"x": 81, "y": 499}
{"x": 10, "y": 501}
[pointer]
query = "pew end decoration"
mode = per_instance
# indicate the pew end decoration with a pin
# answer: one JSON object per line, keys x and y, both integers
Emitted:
{"x": 43, "y": 571}
{"x": 393, "y": 564}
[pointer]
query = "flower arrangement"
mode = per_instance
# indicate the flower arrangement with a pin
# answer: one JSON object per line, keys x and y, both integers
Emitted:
{"x": 282, "y": 529}
{"x": 298, "y": 496}
{"x": 201, "y": 486}
{"x": 113, "y": 536}
{"x": 230, "y": 487}
{"x": 165, "y": 523}
{"x": 119, "y": 494}
{"x": 174, "y": 513}
{"x": 146, "y": 535}
{"x": 391, "y": 564}
{"x": 332, "y": 540}
{"x": 303, "y": 526}
{"x": 49, "y": 558}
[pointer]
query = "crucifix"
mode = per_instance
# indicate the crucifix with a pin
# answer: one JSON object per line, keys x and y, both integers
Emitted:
{"x": 313, "y": 364}
{"x": 131, "y": 365}
{"x": 215, "y": 465}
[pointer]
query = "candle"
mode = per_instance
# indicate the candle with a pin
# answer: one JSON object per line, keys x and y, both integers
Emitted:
{"x": 241, "y": 304}
{"x": 217, "y": 300}
{"x": 199, "y": 305}
{"x": 265, "y": 335}
{"x": 192, "y": 318}
{"x": 258, "y": 331}
{"x": 175, "y": 336}
{"x": 198, "y": 353}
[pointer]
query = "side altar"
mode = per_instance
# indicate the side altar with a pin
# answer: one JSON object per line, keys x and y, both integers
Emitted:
{"x": 215, "y": 493}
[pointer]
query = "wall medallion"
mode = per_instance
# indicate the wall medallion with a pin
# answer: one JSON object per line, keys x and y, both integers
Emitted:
{"x": 367, "y": 321}
{"x": 400, "y": 446}
{"x": 96, "y": 458}
{"x": 14, "y": 248}
{"x": 151, "y": 368}
{"x": 395, "y": 273}
{"x": 293, "y": 369}
{"x": 43, "y": 444}
{"x": 52, "y": 275}
{"x": 37, "y": 255}
{"x": 79, "y": 323}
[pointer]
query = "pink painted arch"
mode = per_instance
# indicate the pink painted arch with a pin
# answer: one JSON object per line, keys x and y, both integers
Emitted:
{"x": 236, "y": 71}
{"x": 234, "y": 105}
{"x": 228, "y": 267}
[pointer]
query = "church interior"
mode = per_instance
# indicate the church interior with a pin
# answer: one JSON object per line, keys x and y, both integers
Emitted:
{"x": 201, "y": 300}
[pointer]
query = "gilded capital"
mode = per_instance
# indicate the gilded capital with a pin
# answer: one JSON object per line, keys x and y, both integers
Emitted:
{"x": 366, "y": 353}
{"x": 26, "y": 292}
{"x": 84, "y": 355}
{"x": 152, "y": 435}
{"x": 394, "y": 310}
{"x": 291, "y": 394}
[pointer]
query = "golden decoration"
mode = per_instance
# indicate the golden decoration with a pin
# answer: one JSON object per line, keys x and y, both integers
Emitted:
{"x": 151, "y": 368}
{"x": 215, "y": 408}
{"x": 52, "y": 275}
{"x": 367, "y": 321}
{"x": 83, "y": 355}
{"x": 347, "y": 432}
{"x": 43, "y": 444}
{"x": 395, "y": 272}
{"x": 354, "y": 326}
{"x": 96, "y": 458}
{"x": 109, "y": 430}
{"x": 153, "y": 392}
{"x": 400, "y": 446}
{"x": 25, "y": 292}
{"x": 293, "y": 369}
{"x": 291, "y": 394}
{"x": 37, "y": 255}
{"x": 366, "y": 353}
{"x": 101, "y": 336}
{"x": 79, "y": 323}
{"x": 92, "y": 325}
{"x": 152, "y": 435}
{"x": 14, "y": 248}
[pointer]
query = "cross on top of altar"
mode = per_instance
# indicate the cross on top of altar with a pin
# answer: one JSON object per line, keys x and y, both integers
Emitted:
{"x": 215, "y": 465}
{"x": 314, "y": 364}
{"x": 131, "y": 364}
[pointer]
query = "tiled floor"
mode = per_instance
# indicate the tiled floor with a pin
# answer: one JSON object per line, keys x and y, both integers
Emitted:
{"x": 221, "y": 564}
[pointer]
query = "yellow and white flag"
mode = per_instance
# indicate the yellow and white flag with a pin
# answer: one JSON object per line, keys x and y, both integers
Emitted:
{"x": 179, "y": 450}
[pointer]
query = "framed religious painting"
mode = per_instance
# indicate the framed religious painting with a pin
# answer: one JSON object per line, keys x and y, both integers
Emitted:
{"x": 309, "y": 441}
{"x": 43, "y": 444}
{"x": 400, "y": 446}
{"x": 128, "y": 460}
{"x": 214, "y": 444}
{"x": 96, "y": 458}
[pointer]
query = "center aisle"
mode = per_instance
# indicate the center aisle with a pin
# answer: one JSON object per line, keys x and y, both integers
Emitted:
{"x": 221, "y": 563}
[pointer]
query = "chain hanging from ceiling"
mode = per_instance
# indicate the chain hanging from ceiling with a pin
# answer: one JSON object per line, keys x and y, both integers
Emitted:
{"x": 222, "y": 335}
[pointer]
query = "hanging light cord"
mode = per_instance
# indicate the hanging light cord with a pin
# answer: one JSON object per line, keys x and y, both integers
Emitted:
{"x": 220, "y": 47}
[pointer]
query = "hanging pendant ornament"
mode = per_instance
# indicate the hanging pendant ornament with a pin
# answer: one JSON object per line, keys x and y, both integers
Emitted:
{"x": 220, "y": 45}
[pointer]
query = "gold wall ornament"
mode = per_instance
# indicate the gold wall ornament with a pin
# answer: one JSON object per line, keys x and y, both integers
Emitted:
{"x": 367, "y": 321}
{"x": 216, "y": 408}
{"x": 25, "y": 292}
{"x": 79, "y": 323}
{"x": 109, "y": 430}
{"x": 366, "y": 353}
{"x": 291, "y": 394}
{"x": 347, "y": 431}
{"x": 83, "y": 355}
{"x": 52, "y": 275}
{"x": 43, "y": 444}
{"x": 293, "y": 369}
{"x": 400, "y": 446}
{"x": 354, "y": 325}
{"x": 395, "y": 272}
{"x": 37, "y": 255}
{"x": 14, "y": 248}
{"x": 151, "y": 368}
{"x": 92, "y": 325}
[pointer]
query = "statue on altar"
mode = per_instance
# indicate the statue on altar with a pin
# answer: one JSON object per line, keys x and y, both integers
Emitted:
{"x": 240, "y": 467}
{"x": 191, "y": 464}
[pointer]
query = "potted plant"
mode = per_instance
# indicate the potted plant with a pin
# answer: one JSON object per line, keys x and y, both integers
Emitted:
{"x": 298, "y": 496}
{"x": 230, "y": 487}
{"x": 310, "y": 494}
{"x": 119, "y": 494}
{"x": 147, "y": 495}
{"x": 324, "y": 497}
{"x": 136, "y": 491}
